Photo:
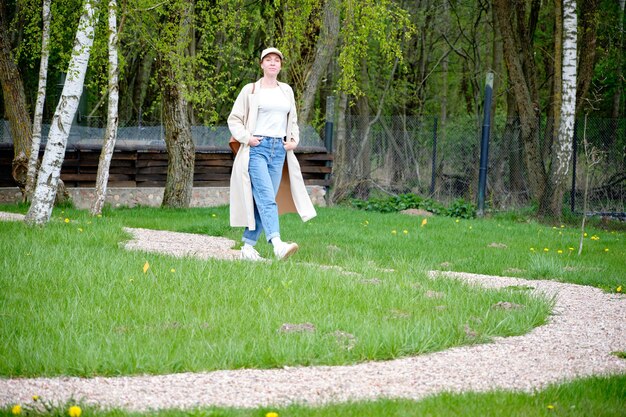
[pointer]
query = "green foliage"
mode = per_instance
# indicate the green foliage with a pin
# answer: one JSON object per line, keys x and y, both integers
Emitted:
{"x": 459, "y": 208}
{"x": 370, "y": 28}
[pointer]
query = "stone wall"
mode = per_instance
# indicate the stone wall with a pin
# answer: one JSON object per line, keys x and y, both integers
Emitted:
{"x": 150, "y": 196}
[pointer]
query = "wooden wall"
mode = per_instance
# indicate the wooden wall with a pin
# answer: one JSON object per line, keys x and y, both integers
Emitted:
{"x": 148, "y": 168}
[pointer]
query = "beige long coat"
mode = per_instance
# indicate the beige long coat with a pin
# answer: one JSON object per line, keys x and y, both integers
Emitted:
{"x": 292, "y": 194}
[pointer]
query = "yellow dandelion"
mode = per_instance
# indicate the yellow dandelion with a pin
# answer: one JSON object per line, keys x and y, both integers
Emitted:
{"x": 99, "y": 215}
{"x": 366, "y": 222}
{"x": 606, "y": 249}
{"x": 213, "y": 215}
{"x": 67, "y": 220}
{"x": 393, "y": 232}
{"x": 406, "y": 232}
{"x": 553, "y": 227}
{"x": 532, "y": 249}
{"x": 457, "y": 220}
{"x": 74, "y": 411}
{"x": 559, "y": 251}
{"x": 546, "y": 249}
{"x": 585, "y": 235}
{"x": 271, "y": 414}
{"x": 619, "y": 289}
{"x": 16, "y": 410}
{"x": 80, "y": 229}
{"x": 172, "y": 270}
{"x": 562, "y": 226}
{"x": 550, "y": 407}
{"x": 146, "y": 266}
{"x": 570, "y": 248}
{"x": 424, "y": 222}
{"x": 35, "y": 397}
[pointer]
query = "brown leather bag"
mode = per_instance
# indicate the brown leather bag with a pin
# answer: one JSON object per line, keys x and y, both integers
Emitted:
{"x": 233, "y": 143}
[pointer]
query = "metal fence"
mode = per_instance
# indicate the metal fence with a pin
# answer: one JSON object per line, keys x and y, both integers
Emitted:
{"x": 393, "y": 155}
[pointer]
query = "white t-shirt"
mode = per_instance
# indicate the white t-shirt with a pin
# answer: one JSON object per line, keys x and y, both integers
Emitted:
{"x": 274, "y": 107}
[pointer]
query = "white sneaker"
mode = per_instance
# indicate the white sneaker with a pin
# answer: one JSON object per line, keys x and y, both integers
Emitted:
{"x": 284, "y": 250}
{"x": 248, "y": 253}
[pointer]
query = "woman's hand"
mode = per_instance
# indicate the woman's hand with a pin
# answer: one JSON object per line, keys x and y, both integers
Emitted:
{"x": 289, "y": 145}
{"x": 254, "y": 141}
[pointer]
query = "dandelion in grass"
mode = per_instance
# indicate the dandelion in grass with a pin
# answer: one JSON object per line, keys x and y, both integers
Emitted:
{"x": 80, "y": 229}
{"x": 594, "y": 237}
{"x": 585, "y": 234}
{"x": 619, "y": 289}
{"x": 424, "y": 222}
{"x": 606, "y": 249}
{"x": 546, "y": 249}
{"x": 393, "y": 232}
{"x": 67, "y": 220}
{"x": 146, "y": 266}
{"x": 99, "y": 215}
{"x": 16, "y": 410}
{"x": 550, "y": 407}
{"x": 570, "y": 248}
{"x": 213, "y": 215}
{"x": 74, "y": 411}
{"x": 559, "y": 251}
{"x": 172, "y": 270}
{"x": 457, "y": 220}
{"x": 406, "y": 232}
{"x": 271, "y": 414}
{"x": 562, "y": 226}
{"x": 35, "y": 398}
{"x": 532, "y": 249}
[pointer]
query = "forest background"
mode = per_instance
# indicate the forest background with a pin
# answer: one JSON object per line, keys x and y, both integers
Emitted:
{"x": 403, "y": 60}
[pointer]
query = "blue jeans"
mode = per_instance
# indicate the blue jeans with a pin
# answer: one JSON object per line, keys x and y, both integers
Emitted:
{"x": 266, "y": 169}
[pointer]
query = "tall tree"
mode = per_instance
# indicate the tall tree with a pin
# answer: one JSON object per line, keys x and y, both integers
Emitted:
{"x": 14, "y": 103}
{"x": 112, "y": 115}
{"x": 517, "y": 34}
{"x": 172, "y": 62}
{"x": 551, "y": 204}
{"x": 49, "y": 174}
{"x": 41, "y": 99}
{"x": 324, "y": 51}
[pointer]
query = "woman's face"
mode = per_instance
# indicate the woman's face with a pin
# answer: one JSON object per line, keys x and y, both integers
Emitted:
{"x": 271, "y": 64}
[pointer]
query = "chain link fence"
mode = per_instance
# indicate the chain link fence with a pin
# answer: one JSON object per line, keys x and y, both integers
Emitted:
{"x": 394, "y": 155}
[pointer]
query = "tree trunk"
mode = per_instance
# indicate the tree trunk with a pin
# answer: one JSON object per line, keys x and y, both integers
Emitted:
{"x": 324, "y": 51}
{"x": 522, "y": 73}
{"x": 178, "y": 139}
{"x": 112, "y": 116}
{"x": 14, "y": 104}
{"x": 340, "y": 162}
{"x": 552, "y": 204}
{"x": 50, "y": 171}
{"x": 41, "y": 99}
{"x": 587, "y": 55}
{"x": 617, "y": 97}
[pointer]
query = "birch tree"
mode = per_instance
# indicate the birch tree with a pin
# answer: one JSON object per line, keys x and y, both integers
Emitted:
{"x": 552, "y": 201}
{"x": 41, "y": 99}
{"x": 112, "y": 117}
{"x": 49, "y": 174}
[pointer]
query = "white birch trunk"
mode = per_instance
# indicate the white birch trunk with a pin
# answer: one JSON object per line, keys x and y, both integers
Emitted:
{"x": 112, "y": 117}
{"x": 50, "y": 171}
{"x": 41, "y": 99}
{"x": 563, "y": 148}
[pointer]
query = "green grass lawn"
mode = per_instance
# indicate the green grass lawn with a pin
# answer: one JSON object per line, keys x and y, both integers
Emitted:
{"x": 73, "y": 302}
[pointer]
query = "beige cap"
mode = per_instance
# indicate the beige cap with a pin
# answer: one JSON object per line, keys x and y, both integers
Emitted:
{"x": 271, "y": 51}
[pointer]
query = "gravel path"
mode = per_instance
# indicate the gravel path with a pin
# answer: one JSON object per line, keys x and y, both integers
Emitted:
{"x": 586, "y": 326}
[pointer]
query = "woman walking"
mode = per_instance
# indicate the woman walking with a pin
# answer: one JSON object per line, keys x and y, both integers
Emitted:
{"x": 264, "y": 121}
